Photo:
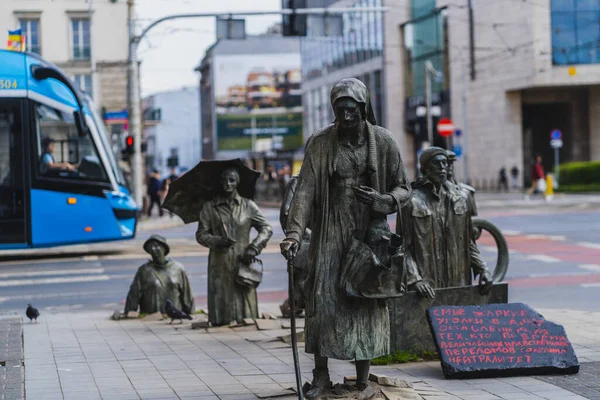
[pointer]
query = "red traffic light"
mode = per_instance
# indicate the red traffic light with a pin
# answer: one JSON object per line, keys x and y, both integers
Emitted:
{"x": 129, "y": 141}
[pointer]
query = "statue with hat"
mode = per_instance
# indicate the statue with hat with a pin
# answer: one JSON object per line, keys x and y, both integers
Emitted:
{"x": 440, "y": 247}
{"x": 352, "y": 173}
{"x": 158, "y": 280}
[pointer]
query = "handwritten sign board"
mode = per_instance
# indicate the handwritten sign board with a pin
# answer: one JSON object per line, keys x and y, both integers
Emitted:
{"x": 499, "y": 340}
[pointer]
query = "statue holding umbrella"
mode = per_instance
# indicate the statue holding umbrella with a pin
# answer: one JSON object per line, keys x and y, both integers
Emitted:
{"x": 218, "y": 194}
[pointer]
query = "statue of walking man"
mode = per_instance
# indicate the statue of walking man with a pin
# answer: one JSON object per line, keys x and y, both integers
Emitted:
{"x": 352, "y": 173}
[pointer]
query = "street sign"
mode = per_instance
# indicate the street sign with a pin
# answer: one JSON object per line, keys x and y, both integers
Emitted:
{"x": 458, "y": 133}
{"x": 556, "y": 143}
{"x": 457, "y": 150}
{"x": 556, "y": 135}
{"x": 445, "y": 127}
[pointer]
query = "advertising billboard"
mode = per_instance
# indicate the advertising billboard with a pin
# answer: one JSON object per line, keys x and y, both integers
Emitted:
{"x": 258, "y": 97}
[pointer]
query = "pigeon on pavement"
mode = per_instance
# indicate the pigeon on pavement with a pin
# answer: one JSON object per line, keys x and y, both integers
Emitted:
{"x": 174, "y": 313}
{"x": 32, "y": 313}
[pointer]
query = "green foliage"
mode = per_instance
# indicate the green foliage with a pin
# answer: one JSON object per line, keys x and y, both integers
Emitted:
{"x": 579, "y": 188}
{"x": 142, "y": 315}
{"x": 579, "y": 173}
{"x": 401, "y": 357}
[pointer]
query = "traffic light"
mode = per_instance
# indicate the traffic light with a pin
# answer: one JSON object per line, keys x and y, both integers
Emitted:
{"x": 128, "y": 150}
{"x": 293, "y": 24}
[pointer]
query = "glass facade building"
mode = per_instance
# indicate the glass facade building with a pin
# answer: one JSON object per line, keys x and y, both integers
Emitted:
{"x": 425, "y": 40}
{"x": 358, "y": 51}
{"x": 362, "y": 40}
{"x": 575, "y": 31}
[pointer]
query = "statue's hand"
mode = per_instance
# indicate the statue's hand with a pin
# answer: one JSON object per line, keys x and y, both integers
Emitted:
{"x": 424, "y": 290}
{"x": 485, "y": 283}
{"x": 249, "y": 255}
{"x": 365, "y": 194}
{"x": 289, "y": 248}
{"x": 222, "y": 243}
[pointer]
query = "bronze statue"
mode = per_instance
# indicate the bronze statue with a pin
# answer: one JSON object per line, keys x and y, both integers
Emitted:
{"x": 224, "y": 227}
{"x": 468, "y": 191}
{"x": 440, "y": 249}
{"x": 159, "y": 280}
{"x": 352, "y": 172}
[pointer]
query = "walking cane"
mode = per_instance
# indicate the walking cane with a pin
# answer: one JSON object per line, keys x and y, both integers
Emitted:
{"x": 293, "y": 326}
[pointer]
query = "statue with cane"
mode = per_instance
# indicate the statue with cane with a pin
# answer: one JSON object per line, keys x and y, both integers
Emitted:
{"x": 352, "y": 174}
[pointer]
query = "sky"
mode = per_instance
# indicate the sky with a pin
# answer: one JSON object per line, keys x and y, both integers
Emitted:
{"x": 170, "y": 51}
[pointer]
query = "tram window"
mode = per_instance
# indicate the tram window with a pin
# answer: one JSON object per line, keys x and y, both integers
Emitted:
{"x": 62, "y": 152}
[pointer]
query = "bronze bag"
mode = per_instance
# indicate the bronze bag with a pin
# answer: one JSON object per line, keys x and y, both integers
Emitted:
{"x": 248, "y": 276}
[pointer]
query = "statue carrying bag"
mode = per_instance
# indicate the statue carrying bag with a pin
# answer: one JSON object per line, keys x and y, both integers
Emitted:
{"x": 248, "y": 276}
{"x": 365, "y": 275}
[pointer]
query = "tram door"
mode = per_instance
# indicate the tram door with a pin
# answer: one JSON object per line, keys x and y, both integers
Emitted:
{"x": 13, "y": 228}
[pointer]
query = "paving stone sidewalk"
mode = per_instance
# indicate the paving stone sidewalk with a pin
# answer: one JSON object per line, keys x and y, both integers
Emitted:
{"x": 11, "y": 358}
{"x": 88, "y": 356}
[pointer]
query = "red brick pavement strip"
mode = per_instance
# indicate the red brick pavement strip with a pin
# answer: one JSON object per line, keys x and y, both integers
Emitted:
{"x": 564, "y": 251}
{"x": 556, "y": 280}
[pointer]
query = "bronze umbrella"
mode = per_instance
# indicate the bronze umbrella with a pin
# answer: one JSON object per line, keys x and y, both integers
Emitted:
{"x": 188, "y": 193}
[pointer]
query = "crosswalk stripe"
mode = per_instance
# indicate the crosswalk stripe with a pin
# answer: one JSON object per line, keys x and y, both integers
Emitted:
{"x": 8, "y": 275}
{"x": 51, "y": 281}
{"x": 590, "y": 285}
{"x": 590, "y": 267}
{"x": 589, "y": 245}
{"x": 543, "y": 258}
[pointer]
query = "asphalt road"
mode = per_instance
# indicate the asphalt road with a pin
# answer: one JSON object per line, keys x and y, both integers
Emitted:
{"x": 555, "y": 263}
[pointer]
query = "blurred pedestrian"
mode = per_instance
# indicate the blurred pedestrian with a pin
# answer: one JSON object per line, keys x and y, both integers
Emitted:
{"x": 503, "y": 179}
{"x": 154, "y": 189}
{"x": 514, "y": 174}
{"x": 165, "y": 186}
{"x": 538, "y": 177}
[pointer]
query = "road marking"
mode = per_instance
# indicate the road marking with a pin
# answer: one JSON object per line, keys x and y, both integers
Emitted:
{"x": 590, "y": 267}
{"x": 8, "y": 275}
{"x": 35, "y": 297}
{"x": 556, "y": 238}
{"x": 542, "y": 258}
{"x": 512, "y": 233}
{"x": 52, "y": 281}
{"x": 590, "y": 285}
{"x": 589, "y": 245}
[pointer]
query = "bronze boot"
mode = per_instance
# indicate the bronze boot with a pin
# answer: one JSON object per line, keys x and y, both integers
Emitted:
{"x": 365, "y": 391}
{"x": 320, "y": 384}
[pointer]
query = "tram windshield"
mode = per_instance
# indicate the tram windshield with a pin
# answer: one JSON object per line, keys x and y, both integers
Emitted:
{"x": 62, "y": 151}
{"x": 99, "y": 125}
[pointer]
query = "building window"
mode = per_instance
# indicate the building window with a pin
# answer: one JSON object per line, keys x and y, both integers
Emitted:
{"x": 30, "y": 28}
{"x": 575, "y": 31}
{"x": 81, "y": 38}
{"x": 85, "y": 84}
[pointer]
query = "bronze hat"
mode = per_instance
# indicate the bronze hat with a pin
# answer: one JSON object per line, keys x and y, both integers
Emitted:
{"x": 157, "y": 238}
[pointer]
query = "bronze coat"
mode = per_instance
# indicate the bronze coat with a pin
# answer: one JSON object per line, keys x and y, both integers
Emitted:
{"x": 228, "y": 301}
{"x": 310, "y": 207}
{"x": 442, "y": 254}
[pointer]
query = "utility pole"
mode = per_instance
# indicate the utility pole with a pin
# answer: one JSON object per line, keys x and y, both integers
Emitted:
{"x": 465, "y": 121}
{"x": 134, "y": 106}
{"x": 428, "y": 102}
{"x": 92, "y": 50}
{"x": 134, "y": 102}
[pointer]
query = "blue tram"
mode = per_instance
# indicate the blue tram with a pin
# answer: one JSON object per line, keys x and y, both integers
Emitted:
{"x": 59, "y": 179}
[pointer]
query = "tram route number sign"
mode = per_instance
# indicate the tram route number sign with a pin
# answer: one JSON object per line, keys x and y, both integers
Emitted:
{"x": 499, "y": 340}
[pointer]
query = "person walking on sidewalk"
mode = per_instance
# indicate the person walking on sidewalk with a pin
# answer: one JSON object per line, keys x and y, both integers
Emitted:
{"x": 503, "y": 180}
{"x": 514, "y": 174}
{"x": 537, "y": 179}
{"x": 154, "y": 189}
